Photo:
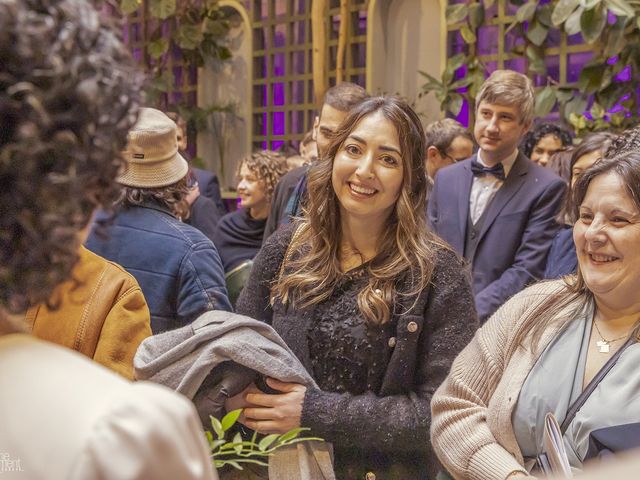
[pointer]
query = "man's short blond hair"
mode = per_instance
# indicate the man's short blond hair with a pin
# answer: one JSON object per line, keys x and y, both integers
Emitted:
{"x": 509, "y": 88}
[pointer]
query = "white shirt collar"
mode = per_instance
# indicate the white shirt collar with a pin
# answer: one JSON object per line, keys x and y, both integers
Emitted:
{"x": 507, "y": 163}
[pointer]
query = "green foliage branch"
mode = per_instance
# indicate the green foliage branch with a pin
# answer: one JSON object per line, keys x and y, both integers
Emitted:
{"x": 199, "y": 29}
{"x": 534, "y": 21}
{"x": 236, "y": 452}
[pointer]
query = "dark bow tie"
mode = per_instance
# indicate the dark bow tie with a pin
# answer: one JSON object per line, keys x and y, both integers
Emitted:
{"x": 479, "y": 170}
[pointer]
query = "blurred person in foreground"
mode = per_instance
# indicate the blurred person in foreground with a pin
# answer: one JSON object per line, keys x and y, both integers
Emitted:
{"x": 69, "y": 92}
{"x": 545, "y": 346}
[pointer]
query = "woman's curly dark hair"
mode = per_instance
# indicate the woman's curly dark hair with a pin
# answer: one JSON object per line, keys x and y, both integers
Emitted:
{"x": 533, "y": 136}
{"x": 627, "y": 142}
{"x": 69, "y": 93}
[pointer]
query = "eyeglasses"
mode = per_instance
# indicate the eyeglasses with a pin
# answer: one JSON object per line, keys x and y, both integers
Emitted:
{"x": 453, "y": 159}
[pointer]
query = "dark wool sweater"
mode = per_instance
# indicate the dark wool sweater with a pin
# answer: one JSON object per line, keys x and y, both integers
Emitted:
{"x": 238, "y": 238}
{"x": 378, "y": 419}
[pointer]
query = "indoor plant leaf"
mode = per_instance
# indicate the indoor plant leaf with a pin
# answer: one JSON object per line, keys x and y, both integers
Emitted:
{"x": 545, "y": 100}
{"x": 158, "y": 47}
{"x": 162, "y": 9}
{"x": 129, "y": 6}
{"x": 572, "y": 25}
{"x": 229, "y": 419}
{"x": 562, "y": 10}
{"x": 592, "y": 23}
{"x": 526, "y": 12}
{"x": 456, "y": 13}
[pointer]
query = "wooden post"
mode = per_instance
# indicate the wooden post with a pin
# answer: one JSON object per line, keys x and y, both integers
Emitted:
{"x": 342, "y": 40}
{"x": 319, "y": 13}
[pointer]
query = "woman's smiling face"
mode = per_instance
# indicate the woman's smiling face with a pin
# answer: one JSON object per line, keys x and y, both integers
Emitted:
{"x": 607, "y": 238}
{"x": 368, "y": 169}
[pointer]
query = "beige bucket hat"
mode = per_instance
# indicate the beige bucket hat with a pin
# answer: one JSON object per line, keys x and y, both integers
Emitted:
{"x": 152, "y": 158}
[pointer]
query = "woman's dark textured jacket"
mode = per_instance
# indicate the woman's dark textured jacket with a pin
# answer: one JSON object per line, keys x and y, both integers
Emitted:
{"x": 385, "y": 430}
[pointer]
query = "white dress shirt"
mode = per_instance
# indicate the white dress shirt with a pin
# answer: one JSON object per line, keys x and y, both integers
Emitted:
{"x": 485, "y": 187}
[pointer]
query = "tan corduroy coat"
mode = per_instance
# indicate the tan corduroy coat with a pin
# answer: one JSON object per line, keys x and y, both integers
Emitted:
{"x": 471, "y": 427}
{"x": 101, "y": 313}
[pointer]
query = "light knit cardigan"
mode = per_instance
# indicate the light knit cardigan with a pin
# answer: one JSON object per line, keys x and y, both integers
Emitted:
{"x": 471, "y": 427}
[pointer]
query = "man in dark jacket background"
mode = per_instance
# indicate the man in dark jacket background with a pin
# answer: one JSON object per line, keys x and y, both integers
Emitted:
{"x": 177, "y": 267}
{"x": 498, "y": 208}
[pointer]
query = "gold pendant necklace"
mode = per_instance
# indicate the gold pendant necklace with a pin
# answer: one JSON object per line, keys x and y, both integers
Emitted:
{"x": 603, "y": 344}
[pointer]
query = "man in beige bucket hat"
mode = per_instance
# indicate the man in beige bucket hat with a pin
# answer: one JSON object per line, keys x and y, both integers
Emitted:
{"x": 177, "y": 267}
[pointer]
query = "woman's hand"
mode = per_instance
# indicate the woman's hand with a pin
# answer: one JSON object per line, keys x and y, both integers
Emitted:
{"x": 274, "y": 413}
{"x": 239, "y": 400}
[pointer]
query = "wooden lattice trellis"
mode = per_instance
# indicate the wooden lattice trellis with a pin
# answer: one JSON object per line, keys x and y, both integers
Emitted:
{"x": 284, "y": 106}
{"x": 564, "y": 55}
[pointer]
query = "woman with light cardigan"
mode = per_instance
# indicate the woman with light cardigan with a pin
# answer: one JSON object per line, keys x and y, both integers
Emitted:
{"x": 543, "y": 347}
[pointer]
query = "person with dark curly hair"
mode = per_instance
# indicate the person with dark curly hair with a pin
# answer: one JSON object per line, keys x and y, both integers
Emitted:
{"x": 544, "y": 140}
{"x": 239, "y": 234}
{"x": 69, "y": 92}
{"x": 176, "y": 265}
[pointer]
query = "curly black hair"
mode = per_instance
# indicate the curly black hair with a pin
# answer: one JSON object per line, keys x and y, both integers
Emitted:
{"x": 69, "y": 93}
{"x": 541, "y": 130}
{"x": 627, "y": 142}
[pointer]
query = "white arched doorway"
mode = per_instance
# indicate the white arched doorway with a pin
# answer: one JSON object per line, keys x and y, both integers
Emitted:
{"x": 404, "y": 36}
{"x": 221, "y": 84}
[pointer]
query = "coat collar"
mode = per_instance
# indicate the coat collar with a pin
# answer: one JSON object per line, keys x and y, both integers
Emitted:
{"x": 510, "y": 187}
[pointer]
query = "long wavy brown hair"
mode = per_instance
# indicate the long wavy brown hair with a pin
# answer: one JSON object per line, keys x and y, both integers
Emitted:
{"x": 404, "y": 261}
{"x": 575, "y": 291}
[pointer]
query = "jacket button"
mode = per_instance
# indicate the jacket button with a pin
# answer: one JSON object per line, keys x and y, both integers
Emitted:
{"x": 412, "y": 327}
{"x": 392, "y": 342}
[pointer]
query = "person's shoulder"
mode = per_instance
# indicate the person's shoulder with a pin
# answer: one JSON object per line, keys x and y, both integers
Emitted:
{"x": 110, "y": 271}
{"x": 281, "y": 238}
{"x": 455, "y": 168}
{"x": 448, "y": 266}
{"x": 542, "y": 175}
{"x": 536, "y": 294}
{"x": 292, "y": 177}
{"x": 445, "y": 258}
{"x": 203, "y": 175}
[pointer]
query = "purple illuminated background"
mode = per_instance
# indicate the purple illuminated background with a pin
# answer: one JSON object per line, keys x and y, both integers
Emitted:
{"x": 487, "y": 45}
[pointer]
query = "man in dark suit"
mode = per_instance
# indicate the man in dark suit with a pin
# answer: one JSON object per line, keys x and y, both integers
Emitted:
{"x": 497, "y": 208}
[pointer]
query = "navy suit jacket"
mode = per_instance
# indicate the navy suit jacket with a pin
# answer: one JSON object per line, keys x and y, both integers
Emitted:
{"x": 518, "y": 229}
{"x": 210, "y": 188}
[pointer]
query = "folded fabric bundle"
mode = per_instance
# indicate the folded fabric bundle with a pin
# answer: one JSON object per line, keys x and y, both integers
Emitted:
{"x": 219, "y": 355}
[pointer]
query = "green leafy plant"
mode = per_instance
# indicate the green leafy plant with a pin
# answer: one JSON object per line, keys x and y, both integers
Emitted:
{"x": 237, "y": 451}
{"x": 197, "y": 29}
{"x": 610, "y": 27}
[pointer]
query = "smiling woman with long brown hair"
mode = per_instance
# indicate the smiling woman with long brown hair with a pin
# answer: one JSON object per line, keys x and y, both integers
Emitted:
{"x": 371, "y": 302}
